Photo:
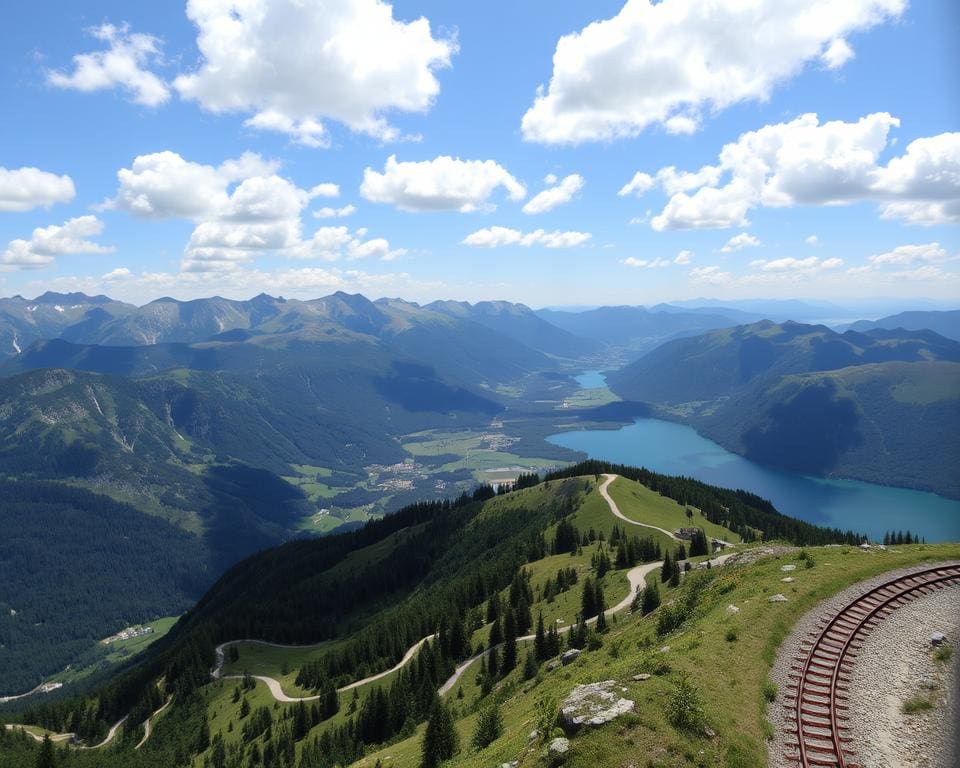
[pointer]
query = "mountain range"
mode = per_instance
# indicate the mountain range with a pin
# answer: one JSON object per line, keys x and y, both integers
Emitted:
{"x": 881, "y": 406}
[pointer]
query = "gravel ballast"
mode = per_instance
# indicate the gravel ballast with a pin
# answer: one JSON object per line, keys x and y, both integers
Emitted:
{"x": 897, "y": 664}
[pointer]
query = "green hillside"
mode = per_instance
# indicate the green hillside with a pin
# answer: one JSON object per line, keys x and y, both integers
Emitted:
{"x": 475, "y": 570}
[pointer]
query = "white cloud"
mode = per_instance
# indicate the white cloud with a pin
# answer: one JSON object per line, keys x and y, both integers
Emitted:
{"x": 46, "y": 243}
{"x": 123, "y": 65}
{"x": 556, "y": 195}
{"x": 804, "y": 162}
{"x": 327, "y": 189}
{"x": 164, "y": 185}
{"x": 671, "y": 62}
{"x": 837, "y": 54}
{"x": 809, "y": 265}
{"x": 335, "y": 213}
{"x": 743, "y": 240}
{"x": 910, "y": 254}
{"x": 638, "y": 185}
{"x": 496, "y": 237}
{"x": 442, "y": 184}
{"x": 22, "y": 189}
{"x": 812, "y": 240}
{"x": 631, "y": 261}
{"x": 120, "y": 273}
{"x": 712, "y": 275}
{"x": 293, "y": 64}
{"x": 684, "y": 257}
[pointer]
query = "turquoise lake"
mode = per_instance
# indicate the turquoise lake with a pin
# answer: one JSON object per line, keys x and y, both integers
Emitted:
{"x": 676, "y": 449}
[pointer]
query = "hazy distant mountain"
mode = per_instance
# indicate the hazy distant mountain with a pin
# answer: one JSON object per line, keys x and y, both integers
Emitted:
{"x": 946, "y": 323}
{"x": 882, "y": 406}
{"x": 637, "y": 330}
{"x": 522, "y": 324}
{"x": 778, "y": 310}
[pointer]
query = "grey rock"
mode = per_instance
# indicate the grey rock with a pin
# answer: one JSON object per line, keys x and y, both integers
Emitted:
{"x": 641, "y": 677}
{"x": 559, "y": 746}
{"x": 534, "y": 735}
{"x": 732, "y": 609}
{"x": 937, "y": 638}
{"x": 788, "y": 568}
{"x": 570, "y": 656}
{"x": 777, "y": 599}
{"x": 593, "y": 704}
{"x": 552, "y": 665}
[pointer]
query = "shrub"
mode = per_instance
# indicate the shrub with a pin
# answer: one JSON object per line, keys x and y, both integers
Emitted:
{"x": 489, "y": 726}
{"x": 769, "y": 690}
{"x": 943, "y": 653}
{"x": 685, "y": 710}
{"x": 916, "y": 704}
{"x": 731, "y": 636}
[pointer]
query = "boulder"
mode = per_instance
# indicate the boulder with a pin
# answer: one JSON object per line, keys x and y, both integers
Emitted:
{"x": 937, "y": 638}
{"x": 777, "y": 599}
{"x": 559, "y": 746}
{"x": 641, "y": 677}
{"x": 570, "y": 656}
{"x": 593, "y": 704}
{"x": 788, "y": 567}
{"x": 787, "y": 579}
{"x": 552, "y": 665}
{"x": 732, "y": 609}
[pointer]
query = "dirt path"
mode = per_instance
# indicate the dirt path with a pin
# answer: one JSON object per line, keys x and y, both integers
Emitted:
{"x": 636, "y": 577}
{"x": 617, "y": 513}
{"x": 146, "y": 723}
{"x": 274, "y": 685}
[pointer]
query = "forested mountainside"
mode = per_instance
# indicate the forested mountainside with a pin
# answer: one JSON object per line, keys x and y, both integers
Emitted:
{"x": 471, "y": 569}
{"x": 882, "y": 406}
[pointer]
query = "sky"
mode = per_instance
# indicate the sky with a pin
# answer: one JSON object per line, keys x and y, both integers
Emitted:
{"x": 550, "y": 153}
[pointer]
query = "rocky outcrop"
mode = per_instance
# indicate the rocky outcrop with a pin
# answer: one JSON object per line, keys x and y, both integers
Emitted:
{"x": 593, "y": 704}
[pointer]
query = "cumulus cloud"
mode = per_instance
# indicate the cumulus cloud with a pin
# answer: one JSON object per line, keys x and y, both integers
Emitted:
{"x": 812, "y": 240}
{"x": 335, "y": 213}
{"x": 672, "y": 62}
{"x": 124, "y": 64}
{"x": 496, "y": 237}
{"x": 638, "y": 185}
{"x": 684, "y": 257}
{"x": 46, "y": 243}
{"x": 242, "y": 208}
{"x": 164, "y": 185}
{"x": 442, "y": 184}
{"x": 902, "y": 255}
{"x": 22, "y": 189}
{"x": 292, "y": 64}
{"x": 556, "y": 195}
{"x": 743, "y": 240}
{"x": 805, "y": 162}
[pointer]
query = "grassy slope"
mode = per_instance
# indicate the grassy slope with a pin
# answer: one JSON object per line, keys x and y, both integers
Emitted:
{"x": 639, "y": 503}
{"x": 731, "y": 686}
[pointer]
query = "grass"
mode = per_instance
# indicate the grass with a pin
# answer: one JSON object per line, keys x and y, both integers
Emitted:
{"x": 943, "y": 654}
{"x": 917, "y": 704}
{"x": 639, "y": 503}
{"x": 732, "y": 677}
{"x": 118, "y": 652}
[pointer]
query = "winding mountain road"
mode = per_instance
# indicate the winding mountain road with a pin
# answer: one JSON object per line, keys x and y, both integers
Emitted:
{"x": 617, "y": 513}
{"x": 146, "y": 723}
{"x": 636, "y": 577}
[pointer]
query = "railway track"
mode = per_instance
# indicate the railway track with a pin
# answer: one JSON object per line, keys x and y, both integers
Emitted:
{"x": 817, "y": 697}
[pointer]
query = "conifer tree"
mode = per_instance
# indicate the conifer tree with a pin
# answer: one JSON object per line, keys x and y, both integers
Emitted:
{"x": 440, "y": 740}
{"x": 489, "y": 726}
{"x": 667, "y": 568}
{"x": 540, "y": 640}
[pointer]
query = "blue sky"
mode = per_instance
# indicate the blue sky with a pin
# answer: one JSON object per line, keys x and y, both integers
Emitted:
{"x": 200, "y": 140}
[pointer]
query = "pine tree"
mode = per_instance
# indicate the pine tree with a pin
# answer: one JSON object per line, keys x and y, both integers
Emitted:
{"x": 489, "y": 726}
{"x": 651, "y": 599}
{"x": 47, "y": 757}
{"x": 530, "y": 666}
{"x": 440, "y": 741}
{"x": 588, "y": 600}
{"x": 666, "y": 570}
{"x": 540, "y": 640}
{"x": 509, "y": 643}
{"x": 675, "y": 574}
{"x": 601, "y": 608}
